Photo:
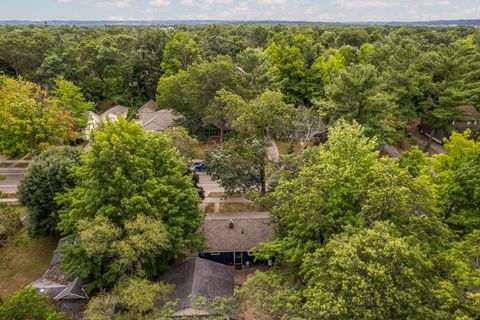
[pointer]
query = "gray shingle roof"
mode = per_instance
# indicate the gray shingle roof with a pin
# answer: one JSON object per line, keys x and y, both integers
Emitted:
{"x": 48, "y": 287}
{"x": 157, "y": 121}
{"x": 72, "y": 291}
{"x": 148, "y": 107}
{"x": 470, "y": 112}
{"x": 114, "y": 112}
{"x": 198, "y": 277}
{"x": 250, "y": 229}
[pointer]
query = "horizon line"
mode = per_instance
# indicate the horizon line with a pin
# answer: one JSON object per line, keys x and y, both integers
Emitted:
{"x": 239, "y": 21}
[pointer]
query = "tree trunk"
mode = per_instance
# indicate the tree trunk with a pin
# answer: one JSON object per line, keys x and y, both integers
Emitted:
{"x": 263, "y": 189}
{"x": 222, "y": 131}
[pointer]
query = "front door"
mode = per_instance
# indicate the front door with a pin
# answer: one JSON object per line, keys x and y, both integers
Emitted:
{"x": 238, "y": 257}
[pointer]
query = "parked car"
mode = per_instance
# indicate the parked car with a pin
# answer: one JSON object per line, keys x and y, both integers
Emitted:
{"x": 199, "y": 166}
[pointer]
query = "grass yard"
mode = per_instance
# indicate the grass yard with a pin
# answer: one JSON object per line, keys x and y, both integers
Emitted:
{"x": 202, "y": 148}
{"x": 231, "y": 207}
{"x": 222, "y": 195}
{"x": 23, "y": 261}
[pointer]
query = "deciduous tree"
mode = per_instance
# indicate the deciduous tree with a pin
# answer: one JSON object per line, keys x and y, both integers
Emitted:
{"x": 144, "y": 187}
{"x": 27, "y": 303}
{"x": 48, "y": 175}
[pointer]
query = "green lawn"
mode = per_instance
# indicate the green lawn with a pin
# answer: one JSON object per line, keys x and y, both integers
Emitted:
{"x": 231, "y": 207}
{"x": 23, "y": 261}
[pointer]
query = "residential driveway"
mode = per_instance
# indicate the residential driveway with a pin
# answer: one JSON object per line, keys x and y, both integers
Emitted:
{"x": 422, "y": 141}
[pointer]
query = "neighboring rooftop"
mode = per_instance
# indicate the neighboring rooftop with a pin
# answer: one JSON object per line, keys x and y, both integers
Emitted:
{"x": 198, "y": 277}
{"x": 114, "y": 112}
{"x": 470, "y": 111}
{"x": 150, "y": 106}
{"x": 250, "y": 229}
{"x": 152, "y": 119}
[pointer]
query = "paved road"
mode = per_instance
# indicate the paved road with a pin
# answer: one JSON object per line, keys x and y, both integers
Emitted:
{"x": 11, "y": 182}
{"x": 208, "y": 184}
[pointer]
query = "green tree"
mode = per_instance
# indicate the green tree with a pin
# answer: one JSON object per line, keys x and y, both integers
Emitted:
{"x": 288, "y": 64}
{"x": 143, "y": 202}
{"x": 370, "y": 274}
{"x": 221, "y": 110}
{"x": 265, "y": 116}
{"x": 258, "y": 74}
{"x": 28, "y": 304}
{"x": 266, "y": 293}
{"x": 47, "y": 176}
{"x": 453, "y": 81}
{"x": 457, "y": 174}
{"x": 239, "y": 164}
{"x": 180, "y": 53}
{"x": 355, "y": 94}
{"x": 184, "y": 143}
{"x": 132, "y": 298}
{"x": 29, "y": 121}
{"x": 459, "y": 291}
{"x": 342, "y": 184}
{"x": 351, "y": 36}
{"x": 414, "y": 161}
{"x": 9, "y": 220}
{"x": 69, "y": 97}
{"x": 191, "y": 92}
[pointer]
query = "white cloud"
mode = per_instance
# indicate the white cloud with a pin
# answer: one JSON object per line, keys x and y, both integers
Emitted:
{"x": 115, "y": 18}
{"x": 272, "y": 1}
{"x": 160, "y": 3}
{"x": 64, "y": 1}
{"x": 218, "y": 1}
{"x": 191, "y": 3}
{"x": 122, "y": 4}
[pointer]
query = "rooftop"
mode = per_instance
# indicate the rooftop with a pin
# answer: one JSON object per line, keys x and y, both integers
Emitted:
{"x": 250, "y": 229}
{"x": 470, "y": 111}
{"x": 113, "y": 112}
{"x": 198, "y": 277}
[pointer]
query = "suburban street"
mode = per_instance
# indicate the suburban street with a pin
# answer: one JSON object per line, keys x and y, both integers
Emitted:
{"x": 12, "y": 179}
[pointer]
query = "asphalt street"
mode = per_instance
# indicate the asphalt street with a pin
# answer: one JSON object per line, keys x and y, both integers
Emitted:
{"x": 12, "y": 179}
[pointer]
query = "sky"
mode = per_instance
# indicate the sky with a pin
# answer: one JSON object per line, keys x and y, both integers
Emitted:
{"x": 305, "y": 10}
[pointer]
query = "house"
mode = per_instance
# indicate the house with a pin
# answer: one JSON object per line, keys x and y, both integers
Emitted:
{"x": 113, "y": 113}
{"x": 195, "y": 276}
{"x": 231, "y": 237}
{"x": 213, "y": 131}
{"x": 471, "y": 121}
{"x": 68, "y": 296}
{"x": 469, "y": 118}
{"x": 152, "y": 119}
{"x": 93, "y": 120}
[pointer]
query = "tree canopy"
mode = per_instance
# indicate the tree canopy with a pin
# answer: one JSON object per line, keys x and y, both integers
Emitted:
{"x": 48, "y": 175}
{"x": 130, "y": 216}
